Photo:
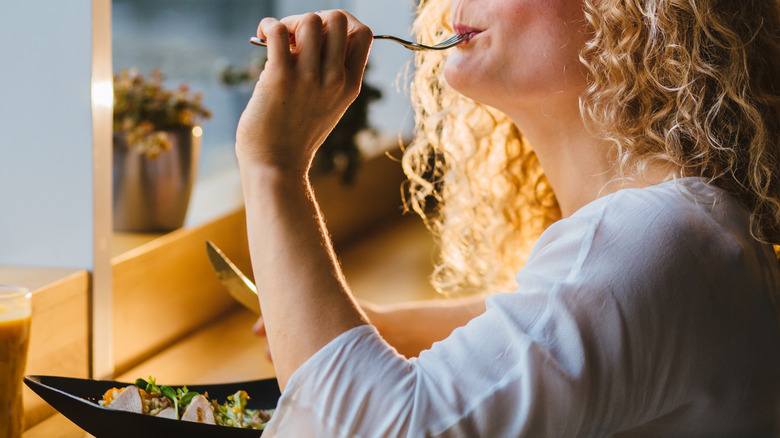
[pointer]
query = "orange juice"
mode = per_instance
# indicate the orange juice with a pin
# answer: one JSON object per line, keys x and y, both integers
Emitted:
{"x": 14, "y": 338}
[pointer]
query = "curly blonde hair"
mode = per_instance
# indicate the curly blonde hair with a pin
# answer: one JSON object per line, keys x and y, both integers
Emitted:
{"x": 696, "y": 84}
{"x": 473, "y": 177}
{"x": 692, "y": 83}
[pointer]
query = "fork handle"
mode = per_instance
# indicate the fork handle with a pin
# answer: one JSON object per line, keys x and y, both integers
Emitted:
{"x": 262, "y": 43}
{"x": 408, "y": 44}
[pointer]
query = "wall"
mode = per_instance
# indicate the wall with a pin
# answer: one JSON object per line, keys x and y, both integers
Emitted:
{"x": 46, "y": 178}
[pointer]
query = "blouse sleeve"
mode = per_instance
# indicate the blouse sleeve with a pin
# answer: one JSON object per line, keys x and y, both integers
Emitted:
{"x": 518, "y": 369}
{"x": 598, "y": 337}
{"x": 470, "y": 385}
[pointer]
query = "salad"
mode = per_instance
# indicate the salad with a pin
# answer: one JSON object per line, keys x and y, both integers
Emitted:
{"x": 147, "y": 398}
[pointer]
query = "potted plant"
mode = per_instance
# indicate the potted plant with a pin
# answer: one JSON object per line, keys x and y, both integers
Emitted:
{"x": 156, "y": 149}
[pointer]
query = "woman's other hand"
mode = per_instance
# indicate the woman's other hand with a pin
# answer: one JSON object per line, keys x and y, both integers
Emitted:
{"x": 301, "y": 94}
{"x": 259, "y": 330}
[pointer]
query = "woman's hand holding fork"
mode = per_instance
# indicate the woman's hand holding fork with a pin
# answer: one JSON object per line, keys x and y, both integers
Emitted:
{"x": 301, "y": 95}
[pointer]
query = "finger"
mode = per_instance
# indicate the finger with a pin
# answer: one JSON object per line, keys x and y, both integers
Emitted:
{"x": 335, "y": 44}
{"x": 259, "y": 328}
{"x": 359, "y": 39}
{"x": 307, "y": 29}
{"x": 275, "y": 33}
{"x": 268, "y": 353}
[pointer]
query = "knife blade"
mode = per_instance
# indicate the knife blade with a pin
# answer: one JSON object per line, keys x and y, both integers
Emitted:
{"x": 236, "y": 283}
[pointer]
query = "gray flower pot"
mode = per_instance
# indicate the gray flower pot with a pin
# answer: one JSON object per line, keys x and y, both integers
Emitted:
{"x": 152, "y": 194}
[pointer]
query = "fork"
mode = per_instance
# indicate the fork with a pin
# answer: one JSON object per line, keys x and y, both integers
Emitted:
{"x": 446, "y": 44}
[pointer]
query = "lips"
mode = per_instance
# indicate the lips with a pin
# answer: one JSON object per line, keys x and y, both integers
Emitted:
{"x": 469, "y": 31}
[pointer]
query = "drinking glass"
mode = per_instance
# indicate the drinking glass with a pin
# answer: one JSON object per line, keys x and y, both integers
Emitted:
{"x": 15, "y": 312}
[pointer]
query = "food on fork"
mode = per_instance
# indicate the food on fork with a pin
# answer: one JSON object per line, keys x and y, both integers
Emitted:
{"x": 147, "y": 398}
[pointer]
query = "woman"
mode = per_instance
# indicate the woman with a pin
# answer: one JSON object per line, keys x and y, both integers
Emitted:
{"x": 645, "y": 308}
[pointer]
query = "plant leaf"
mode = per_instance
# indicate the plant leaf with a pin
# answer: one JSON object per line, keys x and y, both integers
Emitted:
{"x": 187, "y": 397}
{"x": 168, "y": 392}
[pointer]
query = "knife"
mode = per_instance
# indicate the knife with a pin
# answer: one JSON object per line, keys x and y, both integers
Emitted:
{"x": 239, "y": 286}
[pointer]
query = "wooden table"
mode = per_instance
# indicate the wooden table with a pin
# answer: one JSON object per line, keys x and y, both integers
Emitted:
{"x": 389, "y": 265}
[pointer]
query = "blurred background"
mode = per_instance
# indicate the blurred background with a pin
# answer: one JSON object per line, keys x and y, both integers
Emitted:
{"x": 198, "y": 41}
{"x": 55, "y": 151}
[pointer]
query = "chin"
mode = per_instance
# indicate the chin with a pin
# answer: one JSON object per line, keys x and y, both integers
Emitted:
{"x": 459, "y": 76}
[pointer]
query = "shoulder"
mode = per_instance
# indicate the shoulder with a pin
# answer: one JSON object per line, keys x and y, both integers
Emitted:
{"x": 673, "y": 246}
{"x": 644, "y": 228}
{"x": 669, "y": 273}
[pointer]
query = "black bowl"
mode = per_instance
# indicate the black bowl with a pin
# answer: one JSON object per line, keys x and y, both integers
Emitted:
{"x": 77, "y": 400}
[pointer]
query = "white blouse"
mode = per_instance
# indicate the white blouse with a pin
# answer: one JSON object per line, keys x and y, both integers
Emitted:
{"x": 646, "y": 313}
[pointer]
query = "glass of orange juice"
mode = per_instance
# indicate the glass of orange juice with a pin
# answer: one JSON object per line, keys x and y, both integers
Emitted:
{"x": 15, "y": 312}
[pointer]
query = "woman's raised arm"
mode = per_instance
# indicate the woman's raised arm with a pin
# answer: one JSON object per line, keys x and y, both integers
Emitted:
{"x": 297, "y": 101}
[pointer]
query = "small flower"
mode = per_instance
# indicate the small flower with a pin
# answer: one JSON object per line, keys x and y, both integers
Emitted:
{"x": 143, "y": 108}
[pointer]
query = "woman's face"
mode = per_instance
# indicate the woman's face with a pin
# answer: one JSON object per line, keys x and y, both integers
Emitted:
{"x": 521, "y": 53}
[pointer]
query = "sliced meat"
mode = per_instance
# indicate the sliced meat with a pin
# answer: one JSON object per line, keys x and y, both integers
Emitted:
{"x": 128, "y": 400}
{"x": 167, "y": 413}
{"x": 199, "y": 411}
